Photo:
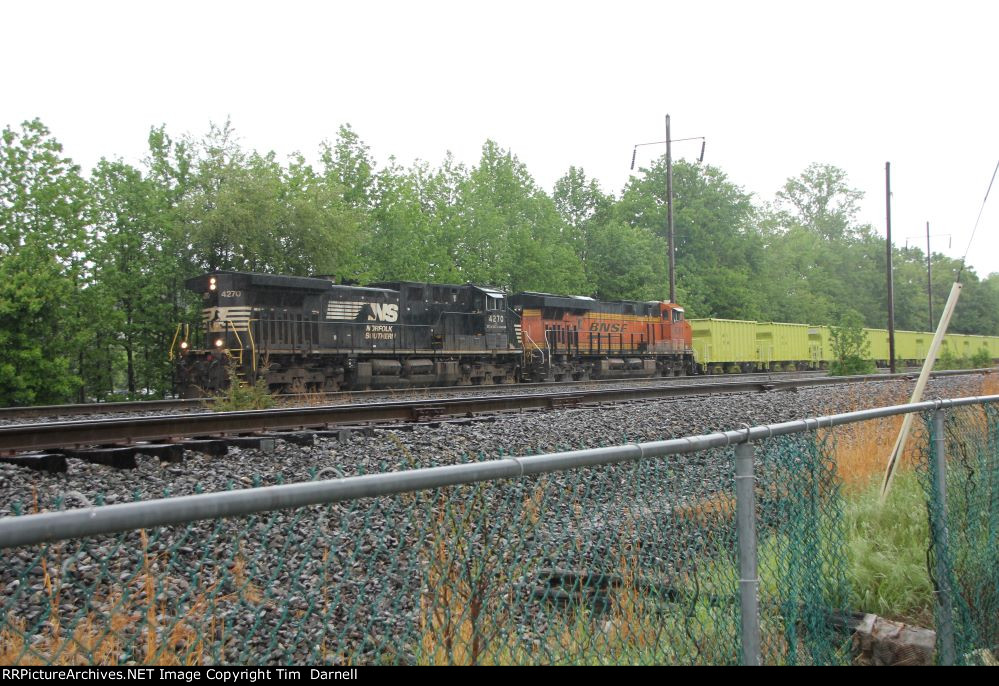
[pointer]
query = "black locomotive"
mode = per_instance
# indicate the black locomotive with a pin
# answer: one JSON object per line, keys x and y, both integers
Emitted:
{"x": 313, "y": 335}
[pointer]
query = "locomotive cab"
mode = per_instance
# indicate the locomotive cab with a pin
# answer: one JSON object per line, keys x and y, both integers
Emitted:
{"x": 676, "y": 336}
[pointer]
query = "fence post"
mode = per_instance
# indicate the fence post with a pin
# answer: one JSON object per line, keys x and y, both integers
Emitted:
{"x": 941, "y": 539}
{"x": 749, "y": 582}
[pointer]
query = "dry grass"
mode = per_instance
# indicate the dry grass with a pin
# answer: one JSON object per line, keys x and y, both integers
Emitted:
{"x": 990, "y": 385}
{"x": 714, "y": 511}
{"x": 861, "y": 450}
{"x": 472, "y": 614}
{"x": 465, "y": 606}
{"x": 124, "y": 624}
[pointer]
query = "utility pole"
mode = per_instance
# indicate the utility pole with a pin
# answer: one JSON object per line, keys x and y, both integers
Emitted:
{"x": 929, "y": 275}
{"x": 669, "y": 215}
{"x": 671, "y": 247}
{"x": 891, "y": 290}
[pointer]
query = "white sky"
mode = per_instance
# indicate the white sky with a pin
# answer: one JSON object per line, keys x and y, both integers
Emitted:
{"x": 773, "y": 86}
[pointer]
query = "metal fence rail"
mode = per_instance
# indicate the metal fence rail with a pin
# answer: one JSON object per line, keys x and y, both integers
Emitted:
{"x": 729, "y": 551}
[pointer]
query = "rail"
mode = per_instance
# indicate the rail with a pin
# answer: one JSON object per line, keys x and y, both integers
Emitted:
{"x": 16, "y": 438}
{"x": 28, "y": 411}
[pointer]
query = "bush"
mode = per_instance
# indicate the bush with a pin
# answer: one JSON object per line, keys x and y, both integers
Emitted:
{"x": 981, "y": 359}
{"x": 949, "y": 360}
{"x": 851, "y": 349}
{"x": 242, "y": 396}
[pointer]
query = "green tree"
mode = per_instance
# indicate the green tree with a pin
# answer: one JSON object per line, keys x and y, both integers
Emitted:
{"x": 816, "y": 251}
{"x": 851, "y": 349}
{"x": 131, "y": 252}
{"x": 511, "y": 234}
{"x": 405, "y": 244}
{"x": 43, "y": 243}
{"x": 440, "y": 195}
{"x": 348, "y": 164}
{"x": 820, "y": 199}
{"x": 718, "y": 246}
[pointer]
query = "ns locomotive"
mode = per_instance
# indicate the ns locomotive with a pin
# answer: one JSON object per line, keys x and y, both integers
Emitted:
{"x": 305, "y": 334}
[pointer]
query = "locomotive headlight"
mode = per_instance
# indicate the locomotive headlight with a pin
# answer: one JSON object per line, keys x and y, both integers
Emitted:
{"x": 212, "y": 284}
{"x": 183, "y": 345}
{"x": 219, "y": 342}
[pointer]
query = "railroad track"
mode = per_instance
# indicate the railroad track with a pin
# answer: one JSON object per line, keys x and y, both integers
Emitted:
{"x": 116, "y": 441}
{"x": 80, "y": 410}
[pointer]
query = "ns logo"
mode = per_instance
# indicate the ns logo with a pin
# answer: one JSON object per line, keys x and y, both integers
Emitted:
{"x": 382, "y": 312}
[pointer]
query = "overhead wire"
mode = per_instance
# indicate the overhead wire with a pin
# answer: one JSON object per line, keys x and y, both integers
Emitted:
{"x": 982, "y": 209}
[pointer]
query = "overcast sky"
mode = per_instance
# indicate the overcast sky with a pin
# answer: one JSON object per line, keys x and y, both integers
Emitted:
{"x": 773, "y": 86}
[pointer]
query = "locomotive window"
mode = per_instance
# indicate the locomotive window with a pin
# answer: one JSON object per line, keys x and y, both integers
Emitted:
{"x": 677, "y": 315}
{"x": 493, "y": 303}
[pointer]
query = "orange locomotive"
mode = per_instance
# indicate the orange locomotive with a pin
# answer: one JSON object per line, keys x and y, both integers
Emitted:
{"x": 578, "y": 338}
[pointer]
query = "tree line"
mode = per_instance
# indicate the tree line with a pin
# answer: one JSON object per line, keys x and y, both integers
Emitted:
{"x": 92, "y": 265}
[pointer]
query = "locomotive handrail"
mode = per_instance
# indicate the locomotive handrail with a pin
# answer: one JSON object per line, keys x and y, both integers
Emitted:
{"x": 173, "y": 343}
{"x": 235, "y": 333}
{"x": 253, "y": 345}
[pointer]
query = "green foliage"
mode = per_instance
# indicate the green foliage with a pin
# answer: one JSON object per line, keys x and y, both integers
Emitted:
{"x": 46, "y": 316}
{"x": 93, "y": 268}
{"x": 948, "y": 359}
{"x": 31, "y": 295}
{"x": 851, "y": 349}
{"x": 241, "y": 395}
{"x": 886, "y": 548}
{"x": 512, "y": 234}
{"x": 981, "y": 359}
{"x": 719, "y": 252}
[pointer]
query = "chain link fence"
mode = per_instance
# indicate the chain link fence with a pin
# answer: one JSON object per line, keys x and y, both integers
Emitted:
{"x": 961, "y": 482}
{"x": 571, "y": 562}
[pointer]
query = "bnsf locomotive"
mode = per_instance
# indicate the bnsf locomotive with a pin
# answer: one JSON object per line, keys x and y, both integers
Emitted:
{"x": 313, "y": 335}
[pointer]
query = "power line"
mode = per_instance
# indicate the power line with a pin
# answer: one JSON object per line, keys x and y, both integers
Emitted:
{"x": 977, "y": 220}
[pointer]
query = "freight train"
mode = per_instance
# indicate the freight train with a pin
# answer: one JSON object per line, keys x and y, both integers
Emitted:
{"x": 726, "y": 345}
{"x": 303, "y": 334}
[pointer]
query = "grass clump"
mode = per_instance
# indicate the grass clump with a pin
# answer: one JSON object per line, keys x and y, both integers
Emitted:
{"x": 886, "y": 551}
{"x": 240, "y": 395}
{"x": 948, "y": 359}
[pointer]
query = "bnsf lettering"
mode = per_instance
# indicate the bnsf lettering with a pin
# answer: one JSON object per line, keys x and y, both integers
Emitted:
{"x": 599, "y": 327}
{"x": 383, "y": 312}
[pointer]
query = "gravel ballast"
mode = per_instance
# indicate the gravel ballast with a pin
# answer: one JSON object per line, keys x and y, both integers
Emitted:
{"x": 451, "y": 443}
{"x": 348, "y": 580}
